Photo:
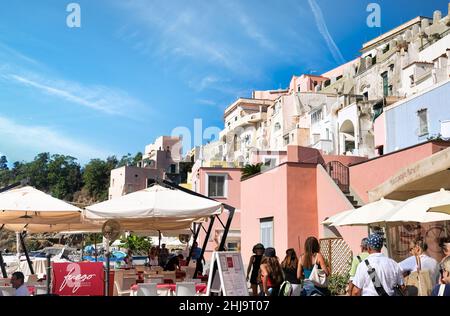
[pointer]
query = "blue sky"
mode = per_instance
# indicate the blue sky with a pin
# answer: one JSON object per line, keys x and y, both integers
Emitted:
{"x": 138, "y": 69}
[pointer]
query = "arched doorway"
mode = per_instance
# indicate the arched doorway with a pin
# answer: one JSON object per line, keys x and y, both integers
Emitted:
{"x": 347, "y": 134}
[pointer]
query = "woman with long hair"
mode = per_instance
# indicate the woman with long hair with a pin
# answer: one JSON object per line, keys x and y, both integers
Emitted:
{"x": 271, "y": 273}
{"x": 290, "y": 266}
{"x": 310, "y": 258}
{"x": 153, "y": 260}
{"x": 253, "y": 267}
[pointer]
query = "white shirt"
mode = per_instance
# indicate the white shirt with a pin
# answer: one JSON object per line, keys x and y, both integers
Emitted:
{"x": 22, "y": 291}
{"x": 387, "y": 270}
{"x": 428, "y": 264}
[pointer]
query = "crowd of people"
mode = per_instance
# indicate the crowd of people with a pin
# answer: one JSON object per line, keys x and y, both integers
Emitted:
{"x": 372, "y": 273}
{"x": 161, "y": 257}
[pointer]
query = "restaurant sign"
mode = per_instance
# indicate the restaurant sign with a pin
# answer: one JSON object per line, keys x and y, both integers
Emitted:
{"x": 78, "y": 279}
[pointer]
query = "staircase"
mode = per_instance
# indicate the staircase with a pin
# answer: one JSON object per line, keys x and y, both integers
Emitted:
{"x": 352, "y": 200}
{"x": 341, "y": 175}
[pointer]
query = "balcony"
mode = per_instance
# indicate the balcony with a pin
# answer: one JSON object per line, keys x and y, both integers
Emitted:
{"x": 246, "y": 120}
{"x": 324, "y": 145}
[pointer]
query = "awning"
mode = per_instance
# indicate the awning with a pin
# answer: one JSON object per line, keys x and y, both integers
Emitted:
{"x": 423, "y": 177}
{"x": 155, "y": 208}
{"x": 30, "y": 206}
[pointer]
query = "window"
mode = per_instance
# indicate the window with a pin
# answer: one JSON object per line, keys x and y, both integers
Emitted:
{"x": 216, "y": 185}
{"x": 236, "y": 143}
{"x": 270, "y": 162}
{"x": 384, "y": 75}
{"x": 266, "y": 231}
{"x": 173, "y": 168}
{"x": 277, "y": 126}
{"x": 423, "y": 121}
{"x": 316, "y": 116}
{"x": 286, "y": 140}
{"x": 412, "y": 81}
{"x": 327, "y": 134}
{"x": 150, "y": 182}
{"x": 339, "y": 78}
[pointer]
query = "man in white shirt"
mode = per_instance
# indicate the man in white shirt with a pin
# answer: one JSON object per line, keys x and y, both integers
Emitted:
{"x": 417, "y": 250}
{"x": 18, "y": 282}
{"x": 388, "y": 272}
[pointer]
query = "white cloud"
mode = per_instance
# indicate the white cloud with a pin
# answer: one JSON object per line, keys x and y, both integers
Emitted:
{"x": 323, "y": 29}
{"x": 22, "y": 140}
{"x": 206, "y": 102}
{"x": 99, "y": 98}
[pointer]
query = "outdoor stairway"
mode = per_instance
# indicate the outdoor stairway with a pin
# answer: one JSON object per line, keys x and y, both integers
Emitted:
{"x": 352, "y": 200}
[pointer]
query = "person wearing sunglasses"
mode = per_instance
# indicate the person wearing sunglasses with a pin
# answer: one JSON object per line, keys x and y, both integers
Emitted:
{"x": 443, "y": 289}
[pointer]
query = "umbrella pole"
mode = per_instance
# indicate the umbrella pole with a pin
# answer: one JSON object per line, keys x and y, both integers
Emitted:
{"x": 159, "y": 238}
{"x": 82, "y": 247}
{"x": 388, "y": 241}
{"x": 2, "y": 263}
{"x": 108, "y": 268}
{"x": 18, "y": 244}
{"x": 49, "y": 273}
{"x": 30, "y": 264}
{"x": 95, "y": 246}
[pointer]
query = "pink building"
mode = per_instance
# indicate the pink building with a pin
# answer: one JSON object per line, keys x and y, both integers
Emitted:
{"x": 223, "y": 185}
{"x": 131, "y": 179}
{"x": 283, "y": 206}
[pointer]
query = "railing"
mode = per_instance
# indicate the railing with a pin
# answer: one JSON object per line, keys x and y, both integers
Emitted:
{"x": 340, "y": 174}
{"x": 434, "y": 40}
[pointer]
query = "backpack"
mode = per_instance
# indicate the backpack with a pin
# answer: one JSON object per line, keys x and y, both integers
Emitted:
{"x": 286, "y": 289}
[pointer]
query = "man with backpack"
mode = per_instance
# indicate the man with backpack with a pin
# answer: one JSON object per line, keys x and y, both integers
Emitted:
{"x": 377, "y": 275}
{"x": 356, "y": 261}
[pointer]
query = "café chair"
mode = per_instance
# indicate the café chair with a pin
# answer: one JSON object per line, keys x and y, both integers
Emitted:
{"x": 153, "y": 281}
{"x": 40, "y": 290}
{"x": 123, "y": 285}
{"x": 147, "y": 289}
{"x": 32, "y": 279}
{"x": 186, "y": 289}
{"x": 7, "y": 291}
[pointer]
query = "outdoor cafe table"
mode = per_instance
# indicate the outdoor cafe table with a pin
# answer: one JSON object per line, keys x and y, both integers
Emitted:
{"x": 171, "y": 288}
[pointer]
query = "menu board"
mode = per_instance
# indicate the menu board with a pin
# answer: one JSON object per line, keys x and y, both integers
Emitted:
{"x": 230, "y": 272}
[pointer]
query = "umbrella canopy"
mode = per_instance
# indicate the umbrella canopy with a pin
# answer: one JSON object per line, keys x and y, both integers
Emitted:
{"x": 441, "y": 206}
{"x": 41, "y": 228}
{"x": 30, "y": 206}
{"x": 154, "y": 205}
{"x": 368, "y": 214}
{"x": 337, "y": 217}
{"x": 416, "y": 209}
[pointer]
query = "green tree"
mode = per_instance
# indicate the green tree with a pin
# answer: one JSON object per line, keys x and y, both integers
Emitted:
{"x": 250, "y": 170}
{"x": 137, "y": 158}
{"x": 96, "y": 176}
{"x": 136, "y": 244}
{"x": 3, "y": 163}
{"x": 64, "y": 176}
{"x": 37, "y": 172}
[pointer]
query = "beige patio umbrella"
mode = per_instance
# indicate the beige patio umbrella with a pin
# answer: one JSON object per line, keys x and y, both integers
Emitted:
{"x": 416, "y": 209}
{"x": 369, "y": 214}
{"x": 28, "y": 205}
{"x": 442, "y": 205}
{"x": 335, "y": 218}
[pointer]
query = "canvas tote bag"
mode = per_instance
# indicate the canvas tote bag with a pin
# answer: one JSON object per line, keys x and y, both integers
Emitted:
{"x": 418, "y": 283}
{"x": 318, "y": 277}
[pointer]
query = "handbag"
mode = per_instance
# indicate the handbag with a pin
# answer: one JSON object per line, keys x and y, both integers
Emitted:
{"x": 418, "y": 283}
{"x": 318, "y": 277}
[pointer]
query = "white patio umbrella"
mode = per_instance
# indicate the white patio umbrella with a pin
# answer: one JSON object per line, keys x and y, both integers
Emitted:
{"x": 335, "y": 218}
{"x": 441, "y": 206}
{"x": 372, "y": 213}
{"x": 156, "y": 207}
{"x": 28, "y": 205}
{"x": 416, "y": 209}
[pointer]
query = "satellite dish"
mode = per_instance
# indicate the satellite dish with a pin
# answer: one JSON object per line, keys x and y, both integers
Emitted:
{"x": 111, "y": 230}
{"x": 184, "y": 238}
